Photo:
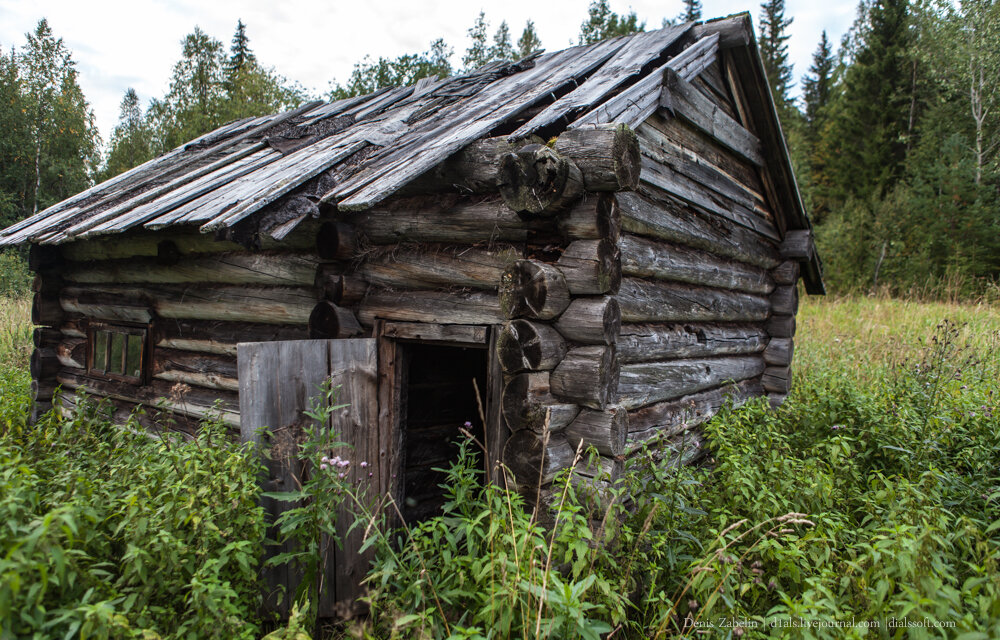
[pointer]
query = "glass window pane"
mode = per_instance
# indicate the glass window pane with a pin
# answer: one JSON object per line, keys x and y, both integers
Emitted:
{"x": 100, "y": 350}
{"x": 115, "y": 363}
{"x": 133, "y": 359}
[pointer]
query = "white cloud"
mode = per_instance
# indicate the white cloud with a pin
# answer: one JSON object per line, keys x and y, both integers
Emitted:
{"x": 120, "y": 43}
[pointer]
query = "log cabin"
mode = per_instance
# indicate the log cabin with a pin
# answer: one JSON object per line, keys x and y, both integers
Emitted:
{"x": 606, "y": 240}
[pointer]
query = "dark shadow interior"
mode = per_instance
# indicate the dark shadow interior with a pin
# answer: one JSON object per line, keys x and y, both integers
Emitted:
{"x": 440, "y": 399}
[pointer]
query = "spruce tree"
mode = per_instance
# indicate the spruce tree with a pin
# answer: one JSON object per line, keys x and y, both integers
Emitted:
{"x": 478, "y": 52}
{"x": 129, "y": 145}
{"x": 774, "y": 50}
{"x": 529, "y": 41}
{"x": 240, "y": 55}
{"x": 502, "y": 48}
{"x": 692, "y": 11}
{"x": 603, "y": 23}
{"x": 817, "y": 85}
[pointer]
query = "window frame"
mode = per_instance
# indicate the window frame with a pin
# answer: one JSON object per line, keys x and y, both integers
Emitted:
{"x": 126, "y": 329}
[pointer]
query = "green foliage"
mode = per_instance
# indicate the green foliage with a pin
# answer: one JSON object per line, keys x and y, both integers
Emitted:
{"x": 130, "y": 140}
{"x": 692, "y": 11}
{"x": 369, "y": 75}
{"x": 112, "y": 533}
{"x": 15, "y": 279}
{"x": 774, "y": 50}
{"x": 603, "y": 23}
{"x": 529, "y": 42}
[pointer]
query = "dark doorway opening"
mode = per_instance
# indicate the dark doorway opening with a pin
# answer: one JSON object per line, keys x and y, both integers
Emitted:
{"x": 440, "y": 399}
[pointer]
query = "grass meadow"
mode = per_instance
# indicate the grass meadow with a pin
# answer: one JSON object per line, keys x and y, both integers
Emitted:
{"x": 866, "y": 507}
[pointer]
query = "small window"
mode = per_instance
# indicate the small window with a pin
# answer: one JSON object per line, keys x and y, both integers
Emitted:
{"x": 117, "y": 352}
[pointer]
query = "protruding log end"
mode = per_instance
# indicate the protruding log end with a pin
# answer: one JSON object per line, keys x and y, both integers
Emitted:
{"x": 591, "y": 320}
{"x": 44, "y": 364}
{"x": 588, "y": 376}
{"x": 529, "y": 346}
{"x": 533, "y": 289}
{"x": 592, "y": 267}
{"x": 784, "y": 300}
{"x": 328, "y": 321}
{"x": 46, "y": 311}
{"x": 596, "y": 217}
{"x": 604, "y": 430}
{"x": 777, "y": 379}
{"x": 536, "y": 459}
{"x": 336, "y": 240}
{"x": 527, "y": 404}
{"x": 607, "y": 155}
{"x": 537, "y": 180}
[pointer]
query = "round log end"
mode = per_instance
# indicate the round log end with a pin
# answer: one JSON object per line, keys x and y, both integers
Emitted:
{"x": 538, "y": 181}
{"x": 167, "y": 253}
{"x": 335, "y": 240}
{"x": 527, "y": 346}
{"x": 328, "y": 321}
{"x": 532, "y": 289}
{"x": 627, "y": 161}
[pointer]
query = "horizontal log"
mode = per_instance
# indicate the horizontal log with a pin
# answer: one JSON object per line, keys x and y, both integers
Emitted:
{"x": 341, "y": 290}
{"x": 272, "y": 305}
{"x": 208, "y": 336}
{"x": 603, "y": 430}
{"x": 472, "y": 169}
{"x": 779, "y": 352}
{"x": 532, "y": 289}
{"x": 594, "y": 217}
{"x": 42, "y": 390}
{"x": 44, "y": 364}
{"x": 288, "y": 269}
{"x": 645, "y": 301}
{"x": 538, "y": 181}
{"x": 595, "y": 320}
{"x": 46, "y": 310}
{"x": 527, "y": 403}
{"x": 780, "y": 326}
{"x": 798, "y": 245}
{"x": 336, "y": 241}
{"x": 142, "y": 243}
{"x": 446, "y": 219}
{"x": 436, "y": 333}
{"x": 648, "y": 258}
{"x": 535, "y": 459}
{"x": 650, "y": 382}
{"x": 72, "y": 352}
{"x": 430, "y": 266}
{"x": 786, "y": 273}
{"x": 330, "y": 322}
{"x": 777, "y": 379}
{"x": 122, "y": 412}
{"x": 587, "y": 376}
{"x": 664, "y": 420}
{"x": 430, "y": 306}
{"x": 785, "y": 301}
{"x": 644, "y": 342}
{"x": 188, "y": 400}
{"x": 656, "y": 214}
{"x": 607, "y": 156}
{"x": 734, "y": 31}
{"x": 529, "y": 346}
{"x": 591, "y": 267}
{"x": 74, "y": 327}
{"x": 603, "y": 468}
{"x": 204, "y": 370}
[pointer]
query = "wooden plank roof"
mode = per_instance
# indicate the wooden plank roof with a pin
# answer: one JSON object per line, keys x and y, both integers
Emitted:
{"x": 371, "y": 146}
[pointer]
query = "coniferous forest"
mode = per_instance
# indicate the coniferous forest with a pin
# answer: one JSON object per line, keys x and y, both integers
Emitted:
{"x": 895, "y": 135}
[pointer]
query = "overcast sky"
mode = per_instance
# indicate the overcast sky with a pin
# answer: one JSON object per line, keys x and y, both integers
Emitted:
{"x": 134, "y": 43}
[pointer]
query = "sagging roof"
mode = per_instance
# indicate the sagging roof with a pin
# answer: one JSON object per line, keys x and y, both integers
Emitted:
{"x": 367, "y": 148}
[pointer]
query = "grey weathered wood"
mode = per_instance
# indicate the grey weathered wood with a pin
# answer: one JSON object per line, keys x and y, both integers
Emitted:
{"x": 436, "y": 333}
{"x": 649, "y": 382}
{"x": 603, "y": 430}
{"x": 659, "y": 215}
{"x": 341, "y": 290}
{"x": 536, "y": 180}
{"x": 594, "y": 217}
{"x": 688, "y": 64}
{"x": 733, "y": 31}
{"x": 667, "y": 419}
{"x": 798, "y": 245}
{"x": 587, "y": 376}
{"x": 785, "y": 300}
{"x": 523, "y": 345}
{"x": 786, "y": 273}
{"x": 535, "y": 459}
{"x": 645, "y": 342}
{"x": 72, "y": 352}
{"x": 648, "y": 258}
{"x": 437, "y": 307}
{"x": 472, "y": 169}
{"x": 607, "y": 156}
{"x": 328, "y": 321}
{"x": 44, "y": 363}
{"x": 645, "y": 301}
{"x": 46, "y": 310}
{"x": 779, "y": 352}
{"x": 215, "y": 337}
{"x": 288, "y": 269}
{"x": 683, "y": 99}
{"x": 533, "y": 289}
{"x": 777, "y": 379}
{"x": 591, "y": 320}
{"x": 529, "y": 404}
{"x": 779, "y": 326}
{"x": 591, "y": 267}
{"x": 336, "y": 241}
{"x": 205, "y": 370}
{"x": 495, "y": 430}
{"x": 432, "y": 266}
